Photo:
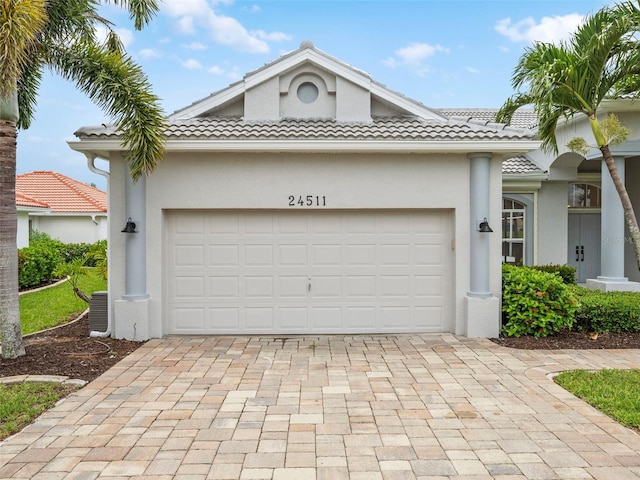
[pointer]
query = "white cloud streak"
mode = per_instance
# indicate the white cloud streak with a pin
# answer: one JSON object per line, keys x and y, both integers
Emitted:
{"x": 548, "y": 30}
{"x": 194, "y": 15}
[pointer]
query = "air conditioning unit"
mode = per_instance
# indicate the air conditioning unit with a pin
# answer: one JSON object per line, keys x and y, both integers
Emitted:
{"x": 99, "y": 311}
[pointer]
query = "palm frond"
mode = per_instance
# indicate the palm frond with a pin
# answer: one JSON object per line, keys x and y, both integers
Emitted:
{"x": 20, "y": 24}
{"x": 121, "y": 89}
{"x": 140, "y": 11}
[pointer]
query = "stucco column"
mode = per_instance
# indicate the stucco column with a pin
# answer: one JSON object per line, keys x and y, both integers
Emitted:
{"x": 136, "y": 251}
{"x": 612, "y": 237}
{"x": 480, "y": 178}
{"x": 482, "y": 309}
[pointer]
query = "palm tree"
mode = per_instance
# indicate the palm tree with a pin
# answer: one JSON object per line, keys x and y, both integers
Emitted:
{"x": 60, "y": 35}
{"x": 600, "y": 61}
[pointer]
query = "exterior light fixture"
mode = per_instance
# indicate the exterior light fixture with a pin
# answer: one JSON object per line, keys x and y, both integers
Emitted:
{"x": 130, "y": 227}
{"x": 483, "y": 227}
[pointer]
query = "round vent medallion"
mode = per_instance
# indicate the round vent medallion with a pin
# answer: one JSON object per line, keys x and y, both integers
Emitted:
{"x": 307, "y": 92}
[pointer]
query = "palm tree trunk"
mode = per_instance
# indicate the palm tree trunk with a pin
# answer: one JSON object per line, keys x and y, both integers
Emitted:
{"x": 627, "y": 207}
{"x": 10, "y": 334}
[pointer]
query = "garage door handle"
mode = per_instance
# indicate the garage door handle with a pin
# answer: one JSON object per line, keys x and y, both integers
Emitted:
{"x": 309, "y": 285}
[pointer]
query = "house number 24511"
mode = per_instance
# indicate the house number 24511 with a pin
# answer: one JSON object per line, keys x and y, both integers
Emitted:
{"x": 307, "y": 201}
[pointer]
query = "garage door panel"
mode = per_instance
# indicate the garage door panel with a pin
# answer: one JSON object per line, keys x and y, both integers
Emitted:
{"x": 294, "y": 319}
{"x": 220, "y": 255}
{"x": 222, "y": 320}
{"x": 189, "y": 287}
{"x": 278, "y": 272}
{"x": 326, "y": 255}
{"x": 360, "y": 319}
{"x": 189, "y": 255}
{"x": 224, "y": 287}
{"x": 259, "y": 319}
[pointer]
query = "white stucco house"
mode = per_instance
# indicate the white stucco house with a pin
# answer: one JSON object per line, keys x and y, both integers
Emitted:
{"x": 60, "y": 206}
{"x": 25, "y": 207}
{"x": 309, "y": 199}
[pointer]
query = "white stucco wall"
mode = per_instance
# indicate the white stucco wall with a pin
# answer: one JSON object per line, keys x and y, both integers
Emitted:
{"x": 22, "y": 238}
{"x": 553, "y": 224}
{"x": 72, "y": 229}
{"x": 265, "y": 181}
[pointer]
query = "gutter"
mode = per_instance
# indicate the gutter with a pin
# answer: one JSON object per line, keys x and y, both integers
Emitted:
{"x": 91, "y": 158}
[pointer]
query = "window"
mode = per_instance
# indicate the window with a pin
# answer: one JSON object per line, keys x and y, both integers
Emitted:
{"x": 513, "y": 231}
{"x": 584, "y": 195}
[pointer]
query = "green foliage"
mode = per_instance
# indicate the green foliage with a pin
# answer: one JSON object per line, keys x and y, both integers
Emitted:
{"x": 57, "y": 305}
{"x": 534, "y": 302}
{"x": 36, "y": 264}
{"x": 567, "y": 273}
{"x": 41, "y": 261}
{"x": 604, "y": 312}
{"x": 21, "y": 403}
{"x": 613, "y": 392}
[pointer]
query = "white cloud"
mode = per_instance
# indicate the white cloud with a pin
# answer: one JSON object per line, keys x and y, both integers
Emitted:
{"x": 548, "y": 30}
{"x": 414, "y": 56}
{"x": 195, "y": 46}
{"x": 194, "y": 15}
{"x": 216, "y": 70}
{"x": 252, "y": 9}
{"x": 472, "y": 70}
{"x": 192, "y": 64}
{"x": 150, "y": 53}
{"x": 273, "y": 36}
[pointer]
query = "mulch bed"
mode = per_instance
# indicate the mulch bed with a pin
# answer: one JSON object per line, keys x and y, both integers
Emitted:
{"x": 573, "y": 340}
{"x": 68, "y": 351}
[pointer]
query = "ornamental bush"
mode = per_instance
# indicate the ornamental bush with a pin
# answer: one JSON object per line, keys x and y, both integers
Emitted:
{"x": 567, "y": 273}
{"x": 534, "y": 302}
{"x": 604, "y": 312}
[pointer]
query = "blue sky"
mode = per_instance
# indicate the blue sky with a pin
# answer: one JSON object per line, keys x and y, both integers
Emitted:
{"x": 443, "y": 53}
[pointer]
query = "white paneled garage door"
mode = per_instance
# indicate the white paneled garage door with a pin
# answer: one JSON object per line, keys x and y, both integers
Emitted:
{"x": 288, "y": 272}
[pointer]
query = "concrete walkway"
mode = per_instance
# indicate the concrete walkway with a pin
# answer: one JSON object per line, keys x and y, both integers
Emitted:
{"x": 329, "y": 407}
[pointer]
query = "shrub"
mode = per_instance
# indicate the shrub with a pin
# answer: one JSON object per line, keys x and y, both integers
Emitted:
{"x": 535, "y": 302}
{"x": 567, "y": 273}
{"x": 36, "y": 265}
{"x": 604, "y": 312}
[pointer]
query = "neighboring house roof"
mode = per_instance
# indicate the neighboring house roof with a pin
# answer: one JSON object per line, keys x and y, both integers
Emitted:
{"x": 522, "y": 118}
{"x": 60, "y": 193}
{"x": 23, "y": 200}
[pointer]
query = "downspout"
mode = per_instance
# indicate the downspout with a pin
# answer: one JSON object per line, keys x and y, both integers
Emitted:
{"x": 91, "y": 158}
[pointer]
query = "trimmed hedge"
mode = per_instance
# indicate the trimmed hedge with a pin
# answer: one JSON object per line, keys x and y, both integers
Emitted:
{"x": 604, "y": 312}
{"x": 535, "y": 302}
{"x": 38, "y": 261}
{"x": 567, "y": 273}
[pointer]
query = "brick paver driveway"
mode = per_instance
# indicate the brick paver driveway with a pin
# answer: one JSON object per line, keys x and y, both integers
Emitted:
{"x": 329, "y": 407}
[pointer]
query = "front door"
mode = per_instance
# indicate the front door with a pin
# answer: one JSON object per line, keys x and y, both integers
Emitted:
{"x": 584, "y": 245}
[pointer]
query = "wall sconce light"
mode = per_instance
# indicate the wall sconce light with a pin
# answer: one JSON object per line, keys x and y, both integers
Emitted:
{"x": 483, "y": 227}
{"x": 130, "y": 227}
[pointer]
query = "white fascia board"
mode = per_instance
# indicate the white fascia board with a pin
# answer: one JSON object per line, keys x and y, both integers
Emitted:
{"x": 68, "y": 214}
{"x": 312, "y": 56}
{"x": 502, "y": 147}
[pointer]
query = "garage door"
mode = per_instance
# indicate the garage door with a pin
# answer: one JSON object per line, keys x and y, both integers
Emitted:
{"x": 287, "y": 272}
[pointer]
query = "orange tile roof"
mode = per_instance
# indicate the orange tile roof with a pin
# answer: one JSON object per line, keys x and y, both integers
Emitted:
{"x": 61, "y": 193}
{"x": 23, "y": 200}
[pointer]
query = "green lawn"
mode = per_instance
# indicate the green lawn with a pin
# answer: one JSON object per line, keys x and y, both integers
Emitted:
{"x": 21, "y": 403}
{"x": 56, "y": 305}
{"x": 613, "y": 392}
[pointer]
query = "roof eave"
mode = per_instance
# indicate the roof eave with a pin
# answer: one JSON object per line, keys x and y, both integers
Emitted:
{"x": 502, "y": 147}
